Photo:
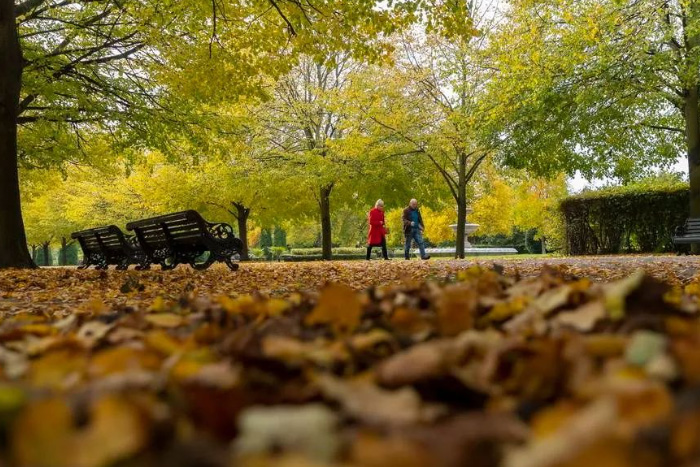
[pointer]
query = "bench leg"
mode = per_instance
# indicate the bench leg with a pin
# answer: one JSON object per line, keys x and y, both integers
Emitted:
{"x": 682, "y": 249}
{"x": 231, "y": 265}
{"x": 100, "y": 262}
{"x": 143, "y": 263}
{"x": 204, "y": 265}
{"x": 165, "y": 266}
{"x": 91, "y": 260}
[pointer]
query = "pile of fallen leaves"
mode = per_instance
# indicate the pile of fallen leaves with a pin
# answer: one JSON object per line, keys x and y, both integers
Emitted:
{"x": 474, "y": 368}
{"x": 53, "y": 290}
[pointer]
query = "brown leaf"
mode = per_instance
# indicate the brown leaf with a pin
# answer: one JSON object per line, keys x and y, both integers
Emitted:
{"x": 456, "y": 309}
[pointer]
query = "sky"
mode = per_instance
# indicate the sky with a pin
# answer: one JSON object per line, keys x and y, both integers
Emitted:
{"x": 578, "y": 183}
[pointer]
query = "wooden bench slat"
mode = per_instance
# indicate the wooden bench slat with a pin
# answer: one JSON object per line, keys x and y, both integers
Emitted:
{"x": 687, "y": 234}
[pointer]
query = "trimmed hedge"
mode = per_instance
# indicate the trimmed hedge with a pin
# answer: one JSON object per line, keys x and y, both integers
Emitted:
{"x": 319, "y": 251}
{"x": 632, "y": 218}
{"x": 345, "y": 254}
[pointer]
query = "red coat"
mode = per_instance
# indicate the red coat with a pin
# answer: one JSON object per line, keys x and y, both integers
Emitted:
{"x": 376, "y": 227}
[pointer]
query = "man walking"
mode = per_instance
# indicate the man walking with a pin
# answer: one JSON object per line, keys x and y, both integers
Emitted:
{"x": 413, "y": 229}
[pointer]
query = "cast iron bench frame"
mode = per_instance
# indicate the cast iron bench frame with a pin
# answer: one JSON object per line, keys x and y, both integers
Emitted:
{"x": 183, "y": 238}
{"x": 108, "y": 245}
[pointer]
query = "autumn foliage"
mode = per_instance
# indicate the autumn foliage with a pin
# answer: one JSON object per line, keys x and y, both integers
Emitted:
{"x": 511, "y": 364}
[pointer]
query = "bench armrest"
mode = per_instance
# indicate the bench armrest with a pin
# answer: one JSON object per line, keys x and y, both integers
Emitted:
{"x": 679, "y": 231}
{"x": 220, "y": 231}
{"x": 132, "y": 241}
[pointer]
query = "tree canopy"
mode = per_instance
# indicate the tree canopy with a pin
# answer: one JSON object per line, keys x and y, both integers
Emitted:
{"x": 274, "y": 111}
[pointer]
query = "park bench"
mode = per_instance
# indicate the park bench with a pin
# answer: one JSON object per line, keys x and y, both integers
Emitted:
{"x": 103, "y": 246}
{"x": 186, "y": 238}
{"x": 687, "y": 234}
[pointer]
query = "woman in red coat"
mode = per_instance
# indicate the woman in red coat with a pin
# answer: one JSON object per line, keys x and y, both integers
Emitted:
{"x": 377, "y": 230}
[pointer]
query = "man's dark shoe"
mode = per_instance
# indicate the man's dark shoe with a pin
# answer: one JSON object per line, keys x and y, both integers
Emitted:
{"x": 426, "y": 257}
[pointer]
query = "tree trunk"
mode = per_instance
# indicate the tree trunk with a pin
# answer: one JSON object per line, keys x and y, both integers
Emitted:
{"x": 690, "y": 109}
{"x": 543, "y": 240}
{"x": 242, "y": 213}
{"x": 47, "y": 253}
{"x": 13, "y": 242}
{"x": 63, "y": 252}
{"x": 324, "y": 202}
{"x": 35, "y": 251}
{"x": 461, "y": 206}
{"x": 692, "y": 127}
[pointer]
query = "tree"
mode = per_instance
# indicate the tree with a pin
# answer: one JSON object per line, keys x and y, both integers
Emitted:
{"x": 13, "y": 242}
{"x": 92, "y": 66}
{"x": 65, "y": 71}
{"x": 301, "y": 125}
{"x": 537, "y": 208}
{"x": 433, "y": 105}
{"x": 606, "y": 87}
{"x": 507, "y": 199}
{"x": 45, "y": 208}
{"x": 279, "y": 237}
{"x": 242, "y": 186}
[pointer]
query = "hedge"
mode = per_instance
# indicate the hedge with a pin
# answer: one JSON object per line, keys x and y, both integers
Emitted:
{"x": 336, "y": 251}
{"x": 632, "y": 218}
{"x": 345, "y": 254}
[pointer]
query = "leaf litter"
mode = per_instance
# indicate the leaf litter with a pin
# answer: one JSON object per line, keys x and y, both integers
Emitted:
{"x": 445, "y": 364}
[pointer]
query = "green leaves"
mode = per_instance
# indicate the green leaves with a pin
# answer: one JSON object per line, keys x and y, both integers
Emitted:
{"x": 592, "y": 86}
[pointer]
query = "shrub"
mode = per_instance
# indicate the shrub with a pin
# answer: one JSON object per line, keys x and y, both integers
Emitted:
{"x": 314, "y": 254}
{"x": 634, "y": 218}
{"x": 276, "y": 252}
{"x": 256, "y": 253}
{"x": 318, "y": 251}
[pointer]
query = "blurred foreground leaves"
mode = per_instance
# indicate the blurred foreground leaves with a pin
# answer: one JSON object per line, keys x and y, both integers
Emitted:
{"x": 471, "y": 367}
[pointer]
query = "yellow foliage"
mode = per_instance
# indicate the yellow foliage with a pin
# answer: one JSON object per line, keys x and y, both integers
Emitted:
{"x": 494, "y": 211}
{"x": 437, "y": 225}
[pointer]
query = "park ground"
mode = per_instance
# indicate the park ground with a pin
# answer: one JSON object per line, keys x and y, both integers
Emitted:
{"x": 520, "y": 362}
{"x": 54, "y": 288}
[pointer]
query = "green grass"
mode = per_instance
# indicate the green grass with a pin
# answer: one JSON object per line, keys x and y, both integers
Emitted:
{"x": 506, "y": 257}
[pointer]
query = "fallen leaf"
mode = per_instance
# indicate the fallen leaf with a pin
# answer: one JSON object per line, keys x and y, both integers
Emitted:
{"x": 165, "y": 320}
{"x": 456, "y": 308}
{"x": 309, "y": 430}
{"x": 583, "y": 318}
{"x": 115, "y": 431}
{"x": 370, "y": 404}
{"x": 339, "y": 307}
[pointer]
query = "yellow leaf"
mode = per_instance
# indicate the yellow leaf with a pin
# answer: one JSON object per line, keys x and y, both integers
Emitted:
{"x": 158, "y": 305}
{"x": 276, "y": 306}
{"x": 165, "y": 320}
{"x": 46, "y": 434}
{"x": 123, "y": 359}
{"x": 163, "y": 343}
{"x": 339, "y": 307}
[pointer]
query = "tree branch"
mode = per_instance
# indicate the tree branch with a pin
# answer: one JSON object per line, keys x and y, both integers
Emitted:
{"x": 292, "y": 31}
{"x": 27, "y": 6}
